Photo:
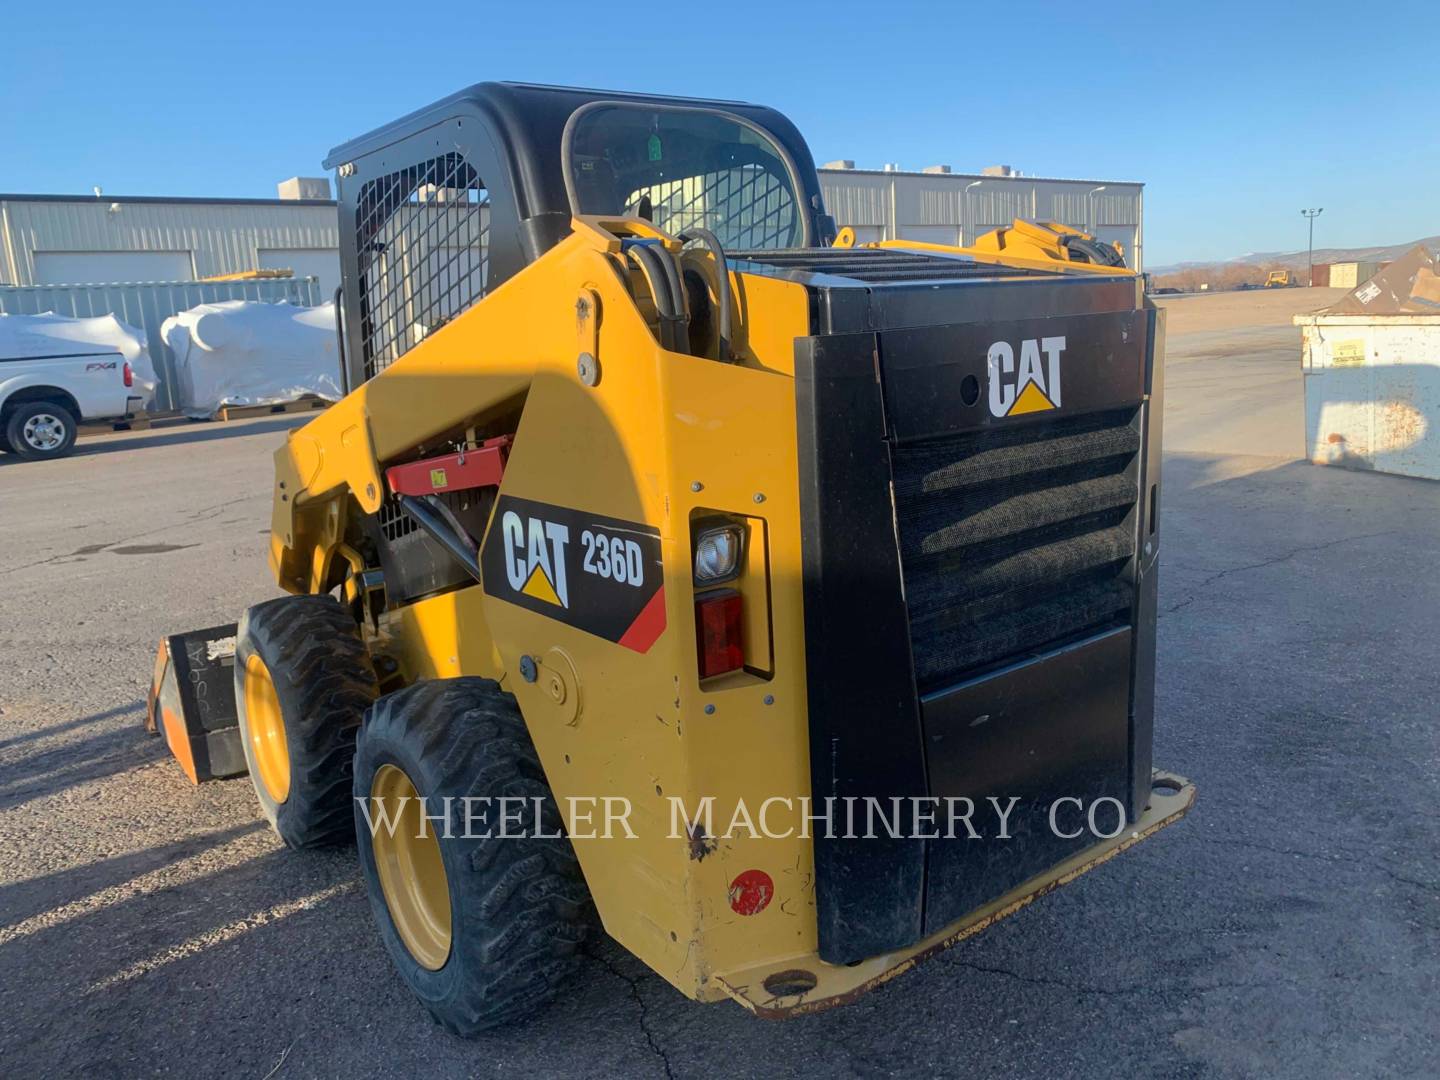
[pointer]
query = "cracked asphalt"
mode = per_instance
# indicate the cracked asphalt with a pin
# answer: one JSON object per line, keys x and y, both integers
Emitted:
{"x": 1290, "y": 926}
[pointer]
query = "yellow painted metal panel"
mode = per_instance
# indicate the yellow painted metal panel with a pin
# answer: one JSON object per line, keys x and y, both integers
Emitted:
{"x": 635, "y": 446}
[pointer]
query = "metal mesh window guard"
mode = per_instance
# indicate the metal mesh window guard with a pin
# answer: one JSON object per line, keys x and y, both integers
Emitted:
{"x": 745, "y": 207}
{"x": 422, "y": 235}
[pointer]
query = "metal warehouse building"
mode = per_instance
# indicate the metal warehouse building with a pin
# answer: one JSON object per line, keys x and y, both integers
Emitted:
{"x": 943, "y": 207}
{"x": 74, "y": 239}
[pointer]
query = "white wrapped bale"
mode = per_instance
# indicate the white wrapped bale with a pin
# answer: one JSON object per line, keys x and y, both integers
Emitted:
{"x": 244, "y": 352}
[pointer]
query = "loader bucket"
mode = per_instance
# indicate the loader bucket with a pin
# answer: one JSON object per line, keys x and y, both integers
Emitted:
{"x": 192, "y": 702}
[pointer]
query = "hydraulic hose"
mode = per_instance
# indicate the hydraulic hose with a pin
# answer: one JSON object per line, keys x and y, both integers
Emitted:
{"x": 681, "y": 332}
{"x": 340, "y": 339}
{"x": 1095, "y": 251}
{"x": 440, "y": 531}
{"x": 722, "y": 284}
{"x": 643, "y": 256}
{"x": 438, "y": 505}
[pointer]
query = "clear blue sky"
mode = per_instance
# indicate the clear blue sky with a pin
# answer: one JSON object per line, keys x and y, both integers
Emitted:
{"x": 1234, "y": 115}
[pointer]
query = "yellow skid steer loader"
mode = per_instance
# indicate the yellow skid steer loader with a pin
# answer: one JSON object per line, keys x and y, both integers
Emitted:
{"x": 791, "y": 603}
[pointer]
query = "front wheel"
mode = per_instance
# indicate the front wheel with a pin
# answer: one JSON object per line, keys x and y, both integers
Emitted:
{"x": 38, "y": 430}
{"x": 302, "y": 683}
{"x": 483, "y": 928}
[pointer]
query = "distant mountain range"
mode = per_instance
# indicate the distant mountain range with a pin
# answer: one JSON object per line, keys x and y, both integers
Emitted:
{"x": 1297, "y": 259}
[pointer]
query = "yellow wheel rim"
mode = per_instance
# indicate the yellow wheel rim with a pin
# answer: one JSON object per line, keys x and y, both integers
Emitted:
{"x": 266, "y": 729}
{"x": 412, "y": 874}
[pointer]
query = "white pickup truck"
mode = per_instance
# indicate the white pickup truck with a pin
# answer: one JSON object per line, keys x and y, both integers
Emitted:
{"x": 57, "y": 373}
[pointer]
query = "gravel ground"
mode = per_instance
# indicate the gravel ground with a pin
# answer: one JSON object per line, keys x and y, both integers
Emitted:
{"x": 1287, "y": 927}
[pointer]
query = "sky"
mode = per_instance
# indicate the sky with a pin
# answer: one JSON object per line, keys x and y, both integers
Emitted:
{"x": 1234, "y": 115}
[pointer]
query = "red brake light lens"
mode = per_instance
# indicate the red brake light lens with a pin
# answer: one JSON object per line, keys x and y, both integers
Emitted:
{"x": 718, "y": 630}
{"x": 129, "y": 374}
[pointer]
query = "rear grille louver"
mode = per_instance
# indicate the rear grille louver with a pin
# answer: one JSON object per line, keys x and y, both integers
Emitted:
{"x": 877, "y": 266}
{"x": 1014, "y": 540}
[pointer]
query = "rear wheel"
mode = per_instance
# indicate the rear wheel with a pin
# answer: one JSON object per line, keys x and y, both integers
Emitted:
{"x": 302, "y": 683}
{"x": 484, "y": 929}
{"x": 38, "y": 430}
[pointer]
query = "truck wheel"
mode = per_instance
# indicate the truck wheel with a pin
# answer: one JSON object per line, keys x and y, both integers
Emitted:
{"x": 302, "y": 683}
{"x": 483, "y": 928}
{"x": 38, "y": 430}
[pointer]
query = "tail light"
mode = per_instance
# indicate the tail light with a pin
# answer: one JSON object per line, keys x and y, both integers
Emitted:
{"x": 718, "y": 628}
{"x": 129, "y": 374}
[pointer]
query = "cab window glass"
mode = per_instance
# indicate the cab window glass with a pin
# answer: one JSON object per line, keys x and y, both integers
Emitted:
{"x": 682, "y": 169}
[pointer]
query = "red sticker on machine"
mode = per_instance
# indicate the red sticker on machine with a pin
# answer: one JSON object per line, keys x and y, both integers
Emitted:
{"x": 751, "y": 892}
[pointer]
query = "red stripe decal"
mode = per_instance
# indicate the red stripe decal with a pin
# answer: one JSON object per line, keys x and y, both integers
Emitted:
{"x": 648, "y": 625}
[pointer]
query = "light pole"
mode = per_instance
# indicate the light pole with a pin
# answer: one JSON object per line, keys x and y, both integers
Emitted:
{"x": 1312, "y": 215}
{"x": 1090, "y": 209}
{"x": 965, "y": 211}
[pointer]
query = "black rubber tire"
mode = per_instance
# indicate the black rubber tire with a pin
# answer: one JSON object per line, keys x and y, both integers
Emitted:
{"x": 17, "y": 417}
{"x": 324, "y": 682}
{"x": 519, "y": 907}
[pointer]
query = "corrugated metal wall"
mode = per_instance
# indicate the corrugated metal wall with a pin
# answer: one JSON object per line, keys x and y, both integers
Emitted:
{"x": 222, "y": 237}
{"x": 146, "y": 306}
{"x": 856, "y": 198}
{"x": 991, "y": 206}
{"x": 1347, "y": 275}
{"x": 956, "y": 207}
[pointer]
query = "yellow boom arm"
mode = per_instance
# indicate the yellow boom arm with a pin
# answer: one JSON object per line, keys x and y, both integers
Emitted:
{"x": 1027, "y": 245}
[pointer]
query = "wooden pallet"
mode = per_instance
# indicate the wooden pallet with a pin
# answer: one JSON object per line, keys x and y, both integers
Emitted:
{"x": 239, "y": 412}
{"x": 105, "y": 427}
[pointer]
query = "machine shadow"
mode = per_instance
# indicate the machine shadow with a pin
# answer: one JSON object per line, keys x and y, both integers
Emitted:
{"x": 95, "y": 977}
{"x": 49, "y": 772}
{"x": 69, "y": 725}
{"x": 30, "y": 897}
{"x": 234, "y": 970}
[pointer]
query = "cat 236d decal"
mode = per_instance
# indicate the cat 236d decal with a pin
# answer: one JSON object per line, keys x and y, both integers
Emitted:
{"x": 598, "y": 574}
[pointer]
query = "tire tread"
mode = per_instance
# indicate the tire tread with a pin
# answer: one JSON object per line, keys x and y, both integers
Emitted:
{"x": 528, "y": 897}
{"x": 313, "y": 644}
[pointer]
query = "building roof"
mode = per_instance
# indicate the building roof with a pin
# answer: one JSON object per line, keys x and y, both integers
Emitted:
{"x": 1026, "y": 178}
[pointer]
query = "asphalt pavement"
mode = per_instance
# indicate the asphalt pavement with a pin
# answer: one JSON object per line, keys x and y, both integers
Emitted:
{"x": 1289, "y": 926}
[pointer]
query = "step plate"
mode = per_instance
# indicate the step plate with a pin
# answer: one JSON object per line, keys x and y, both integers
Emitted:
{"x": 831, "y": 985}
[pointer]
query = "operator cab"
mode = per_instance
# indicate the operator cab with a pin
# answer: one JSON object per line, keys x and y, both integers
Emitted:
{"x": 442, "y": 206}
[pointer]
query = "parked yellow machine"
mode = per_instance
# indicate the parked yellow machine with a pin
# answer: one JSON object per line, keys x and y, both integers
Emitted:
{"x": 653, "y": 518}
